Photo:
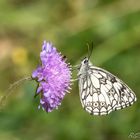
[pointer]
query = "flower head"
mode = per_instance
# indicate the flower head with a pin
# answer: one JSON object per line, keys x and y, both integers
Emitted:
{"x": 53, "y": 76}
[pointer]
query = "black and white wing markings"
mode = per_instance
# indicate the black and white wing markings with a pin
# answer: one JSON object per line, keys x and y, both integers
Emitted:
{"x": 85, "y": 89}
{"x": 101, "y": 92}
{"x": 126, "y": 95}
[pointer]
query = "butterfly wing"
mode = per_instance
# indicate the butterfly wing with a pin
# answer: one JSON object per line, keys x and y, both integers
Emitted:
{"x": 101, "y": 92}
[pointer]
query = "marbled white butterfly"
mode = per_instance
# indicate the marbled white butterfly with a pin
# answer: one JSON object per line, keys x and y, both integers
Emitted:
{"x": 100, "y": 91}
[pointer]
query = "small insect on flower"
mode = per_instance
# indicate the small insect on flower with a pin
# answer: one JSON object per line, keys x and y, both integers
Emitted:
{"x": 53, "y": 77}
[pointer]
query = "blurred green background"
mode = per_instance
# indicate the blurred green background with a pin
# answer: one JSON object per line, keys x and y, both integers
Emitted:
{"x": 113, "y": 26}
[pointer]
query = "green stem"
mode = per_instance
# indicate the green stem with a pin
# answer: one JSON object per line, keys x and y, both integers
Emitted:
{"x": 11, "y": 88}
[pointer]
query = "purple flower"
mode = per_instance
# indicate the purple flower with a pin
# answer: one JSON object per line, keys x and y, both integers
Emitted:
{"x": 53, "y": 76}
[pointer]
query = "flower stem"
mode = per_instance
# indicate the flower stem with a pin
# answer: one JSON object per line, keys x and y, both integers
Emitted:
{"x": 11, "y": 88}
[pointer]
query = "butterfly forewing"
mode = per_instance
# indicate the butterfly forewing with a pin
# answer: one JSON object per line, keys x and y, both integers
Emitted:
{"x": 101, "y": 92}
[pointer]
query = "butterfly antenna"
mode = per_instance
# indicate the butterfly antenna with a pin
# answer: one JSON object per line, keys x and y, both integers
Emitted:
{"x": 90, "y": 51}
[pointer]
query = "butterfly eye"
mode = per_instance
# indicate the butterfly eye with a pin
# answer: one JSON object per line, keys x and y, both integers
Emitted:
{"x": 85, "y": 61}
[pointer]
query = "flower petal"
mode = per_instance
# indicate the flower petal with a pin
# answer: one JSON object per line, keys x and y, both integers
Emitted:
{"x": 53, "y": 76}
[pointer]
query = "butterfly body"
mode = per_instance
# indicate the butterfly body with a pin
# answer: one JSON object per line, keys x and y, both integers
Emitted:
{"x": 100, "y": 91}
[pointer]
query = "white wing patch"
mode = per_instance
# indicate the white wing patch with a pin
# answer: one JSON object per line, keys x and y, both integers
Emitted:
{"x": 101, "y": 92}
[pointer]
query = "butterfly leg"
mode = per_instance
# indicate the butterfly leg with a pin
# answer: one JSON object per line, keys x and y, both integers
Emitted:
{"x": 73, "y": 80}
{"x": 76, "y": 67}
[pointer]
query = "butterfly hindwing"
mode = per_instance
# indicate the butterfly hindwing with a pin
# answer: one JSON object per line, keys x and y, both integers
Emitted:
{"x": 101, "y": 92}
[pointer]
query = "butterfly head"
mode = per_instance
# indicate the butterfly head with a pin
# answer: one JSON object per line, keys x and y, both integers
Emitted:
{"x": 85, "y": 61}
{"x": 84, "y": 66}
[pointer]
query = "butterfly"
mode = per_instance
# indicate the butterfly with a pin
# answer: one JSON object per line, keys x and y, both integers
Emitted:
{"x": 100, "y": 91}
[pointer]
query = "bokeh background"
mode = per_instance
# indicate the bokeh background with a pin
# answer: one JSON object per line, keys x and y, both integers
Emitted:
{"x": 114, "y": 28}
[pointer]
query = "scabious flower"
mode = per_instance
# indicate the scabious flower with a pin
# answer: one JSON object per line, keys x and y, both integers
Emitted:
{"x": 53, "y": 76}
